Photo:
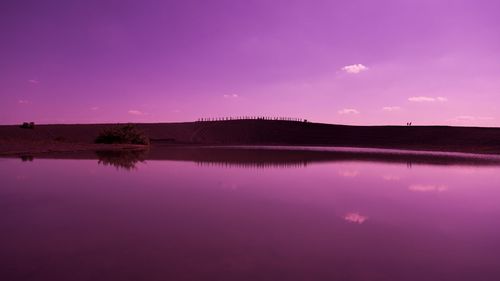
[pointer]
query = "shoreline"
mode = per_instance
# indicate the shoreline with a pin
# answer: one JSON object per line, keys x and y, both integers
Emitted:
{"x": 253, "y": 156}
{"x": 20, "y": 149}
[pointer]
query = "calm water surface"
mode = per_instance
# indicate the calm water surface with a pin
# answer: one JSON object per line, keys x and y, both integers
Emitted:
{"x": 347, "y": 219}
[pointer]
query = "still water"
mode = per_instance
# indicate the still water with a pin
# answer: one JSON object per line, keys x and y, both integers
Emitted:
{"x": 249, "y": 215}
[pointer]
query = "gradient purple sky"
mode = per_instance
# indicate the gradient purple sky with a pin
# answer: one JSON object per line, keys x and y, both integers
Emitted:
{"x": 352, "y": 62}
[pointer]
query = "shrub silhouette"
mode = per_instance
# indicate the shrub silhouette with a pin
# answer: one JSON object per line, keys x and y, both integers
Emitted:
{"x": 127, "y": 134}
{"x": 26, "y": 125}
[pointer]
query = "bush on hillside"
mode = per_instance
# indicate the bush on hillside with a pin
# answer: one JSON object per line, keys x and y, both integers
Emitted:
{"x": 127, "y": 134}
{"x": 26, "y": 125}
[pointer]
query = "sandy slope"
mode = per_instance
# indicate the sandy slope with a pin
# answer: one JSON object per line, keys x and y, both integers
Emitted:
{"x": 258, "y": 132}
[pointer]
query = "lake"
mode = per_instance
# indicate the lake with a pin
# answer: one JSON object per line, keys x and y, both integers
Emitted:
{"x": 250, "y": 214}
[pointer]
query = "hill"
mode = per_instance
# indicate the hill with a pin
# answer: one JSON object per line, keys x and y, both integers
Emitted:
{"x": 268, "y": 132}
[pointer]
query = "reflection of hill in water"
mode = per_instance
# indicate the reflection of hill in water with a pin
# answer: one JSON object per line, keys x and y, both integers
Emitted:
{"x": 265, "y": 157}
{"x": 287, "y": 157}
{"x": 259, "y": 165}
{"x": 124, "y": 159}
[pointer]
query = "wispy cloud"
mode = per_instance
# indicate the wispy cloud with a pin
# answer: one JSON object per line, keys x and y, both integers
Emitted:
{"x": 135, "y": 112}
{"x": 427, "y": 99}
{"x": 231, "y": 96}
{"x": 354, "y": 68}
{"x": 33, "y": 81}
{"x": 468, "y": 118}
{"x": 391, "y": 108}
{"x": 23, "y": 101}
{"x": 94, "y": 108}
{"x": 346, "y": 111}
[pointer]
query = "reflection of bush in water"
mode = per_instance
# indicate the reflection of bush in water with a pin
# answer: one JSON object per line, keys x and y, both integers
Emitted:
{"x": 125, "y": 159}
{"x": 27, "y": 158}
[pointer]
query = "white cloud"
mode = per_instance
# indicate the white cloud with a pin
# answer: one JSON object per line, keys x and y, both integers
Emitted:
{"x": 466, "y": 118}
{"x": 391, "y": 108}
{"x": 354, "y": 68}
{"x": 33, "y": 81}
{"x": 231, "y": 96}
{"x": 355, "y": 218}
{"x": 23, "y": 101}
{"x": 427, "y": 99}
{"x": 348, "y": 111}
{"x": 484, "y": 118}
{"x": 135, "y": 112}
{"x": 421, "y": 99}
{"x": 427, "y": 188}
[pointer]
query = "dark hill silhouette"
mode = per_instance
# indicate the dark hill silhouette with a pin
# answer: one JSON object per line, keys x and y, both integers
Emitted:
{"x": 274, "y": 132}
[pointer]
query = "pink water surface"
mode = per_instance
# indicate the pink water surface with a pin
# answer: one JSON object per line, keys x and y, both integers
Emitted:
{"x": 179, "y": 220}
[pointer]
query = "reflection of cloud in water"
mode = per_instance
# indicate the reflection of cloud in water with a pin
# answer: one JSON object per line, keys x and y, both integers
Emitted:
{"x": 231, "y": 186}
{"x": 468, "y": 170}
{"x": 348, "y": 173}
{"x": 427, "y": 188}
{"x": 391, "y": 178}
{"x": 355, "y": 218}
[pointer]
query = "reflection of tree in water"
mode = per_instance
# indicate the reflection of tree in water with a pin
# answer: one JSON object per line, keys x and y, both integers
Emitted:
{"x": 124, "y": 159}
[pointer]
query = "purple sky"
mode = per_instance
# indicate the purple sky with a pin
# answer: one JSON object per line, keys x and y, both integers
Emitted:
{"x": 352, "y": 62}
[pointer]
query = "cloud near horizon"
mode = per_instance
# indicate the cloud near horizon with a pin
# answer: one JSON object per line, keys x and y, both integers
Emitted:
{"x": 354, "y": 68}
{"x": 465, "y": 118}
{"x": 391, "y": 108}
{"x": 427, "y": 99}
{"x": 135, "y": 112}
{"x": 231, "y": 96}
{"x": 346, "y": 111}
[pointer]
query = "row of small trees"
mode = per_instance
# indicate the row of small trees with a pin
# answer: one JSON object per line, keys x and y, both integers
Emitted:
{"x": 251, "y": 118}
